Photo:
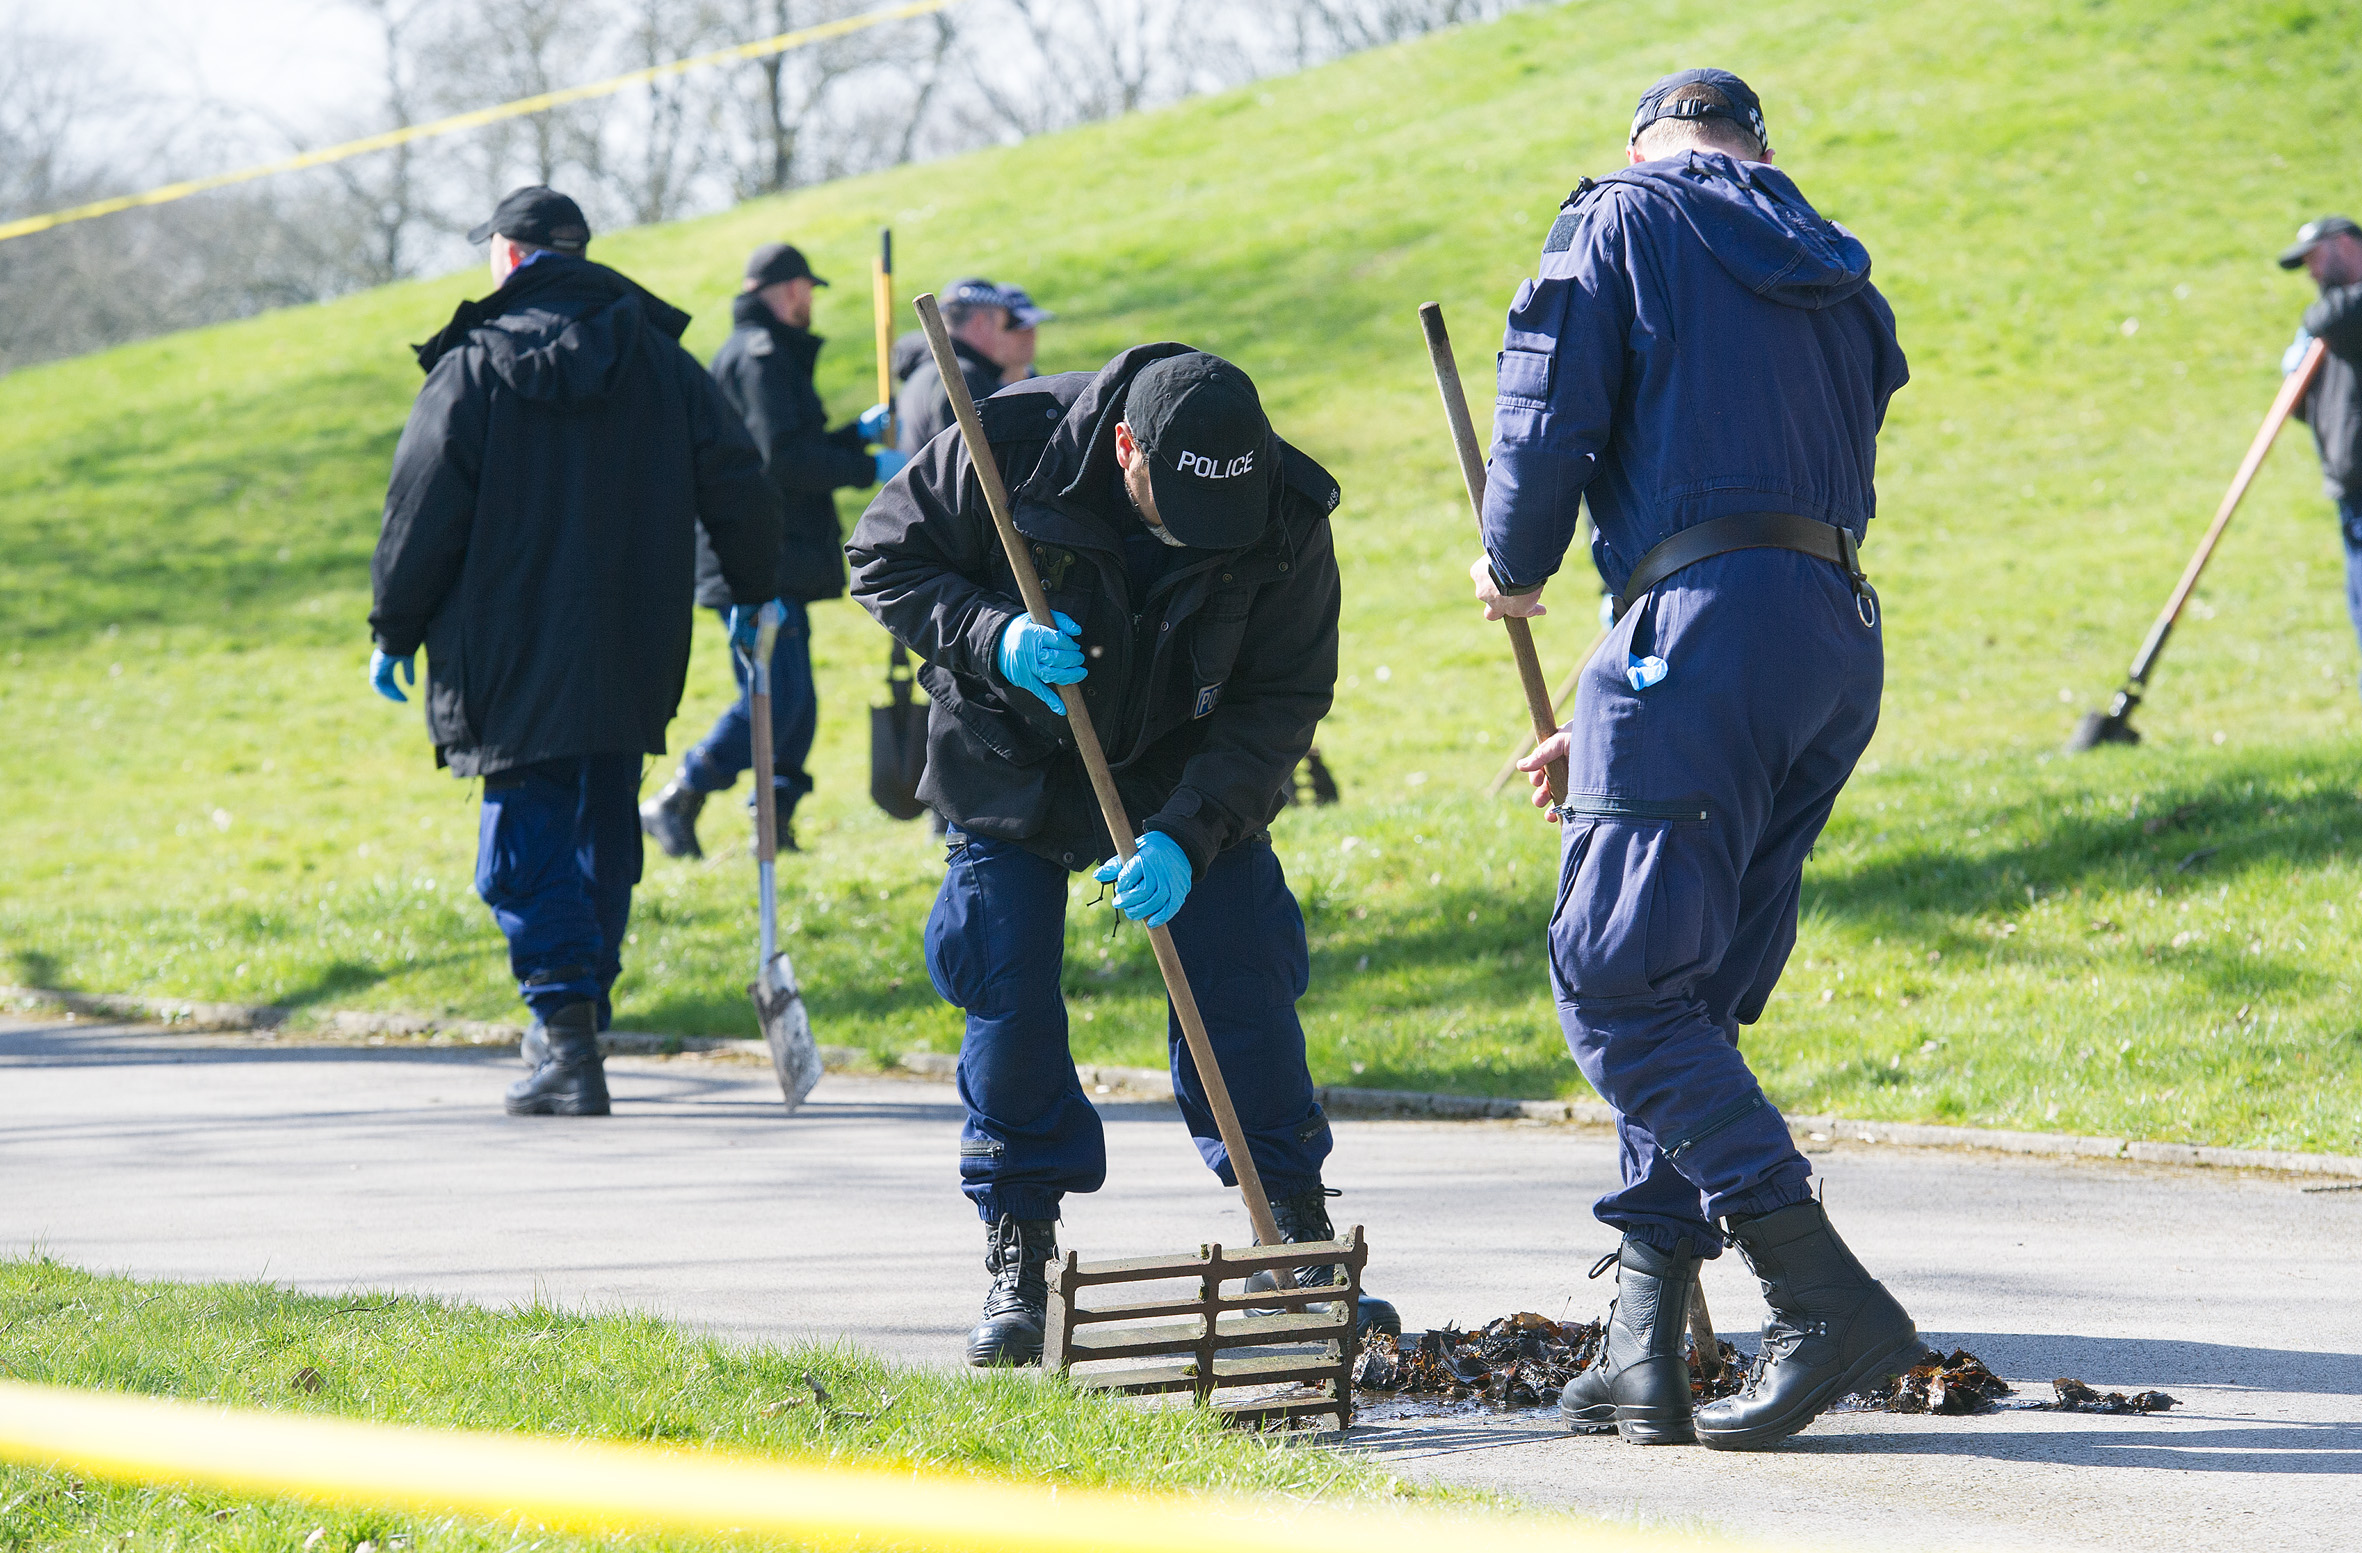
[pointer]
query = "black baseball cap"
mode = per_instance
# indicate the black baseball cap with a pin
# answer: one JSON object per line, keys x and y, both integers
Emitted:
{"x": 1210, "y": 449}
{"x": 776, "y": 262}
{"x": 537, "y": 215}
{"x": 1744, "y": 110}
{"x": 2313, "y": 234}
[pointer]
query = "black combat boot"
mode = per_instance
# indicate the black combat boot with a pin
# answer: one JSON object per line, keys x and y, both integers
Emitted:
{"x": 1639, "y": 1384}
{"x": 783, "y": 812}
{"x": 571, "y": 1081}
{"x": 1017, "y": 1253}
{"x": 1305, "y": 1217}
{"x": 670, "y": 818}
{"x": 1833, "y": 1330}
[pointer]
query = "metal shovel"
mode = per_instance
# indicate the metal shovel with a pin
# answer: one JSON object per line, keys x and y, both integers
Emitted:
{"x": 779, "y": 1002}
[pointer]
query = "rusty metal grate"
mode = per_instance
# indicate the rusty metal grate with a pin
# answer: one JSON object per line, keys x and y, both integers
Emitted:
{"x": 1206, "y": 1340}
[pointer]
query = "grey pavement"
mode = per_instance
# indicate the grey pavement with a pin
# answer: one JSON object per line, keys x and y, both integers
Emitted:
{"x": 125, "y": 1148}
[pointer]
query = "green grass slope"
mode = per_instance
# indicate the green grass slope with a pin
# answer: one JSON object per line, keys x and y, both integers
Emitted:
{"x": 2073, "y": 208}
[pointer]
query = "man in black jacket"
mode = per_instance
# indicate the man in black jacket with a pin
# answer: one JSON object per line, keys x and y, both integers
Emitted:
{"x": 558, "y": 471}
{"x": 765, "y": 371}
{"x": 1186, "y": 551}
{"x": 993, "y": 334}
{"x": 2330, "y": 249}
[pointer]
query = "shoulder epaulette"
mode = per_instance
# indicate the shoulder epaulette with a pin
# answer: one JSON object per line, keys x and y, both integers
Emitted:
{"x": 1307, "y": 479}
{"x": 1020, "y": 415}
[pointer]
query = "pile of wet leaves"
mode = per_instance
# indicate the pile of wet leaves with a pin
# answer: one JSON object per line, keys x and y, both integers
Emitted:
{"x": 2076, "y": 1397}
{"x": 1950, "y": 1384}
{"x": 1524, "y": 1360}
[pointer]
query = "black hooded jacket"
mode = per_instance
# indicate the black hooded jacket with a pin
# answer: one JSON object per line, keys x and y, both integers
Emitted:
{"x": 765, "y": 371}
{"x": 1205, "y": 693}
{"x": 922, "y": 407}
{"x": 2333, "y": 405}
{"x": 541, "y": 526}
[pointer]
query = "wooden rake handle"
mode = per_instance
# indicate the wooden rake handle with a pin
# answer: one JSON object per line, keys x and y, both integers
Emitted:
{"x": 1521, "y": 635}
{"x": 1111, "y": 806}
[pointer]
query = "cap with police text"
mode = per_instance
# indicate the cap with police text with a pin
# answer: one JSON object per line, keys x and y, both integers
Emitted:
{"x": 2312, "y": 235}
{"x": 540, "y": 216}
{"x": 1744, "y": 110}
{"x": 774, "y": 263}
{"x": 1024, "y": 312}
{"x": 1209, "y": 448}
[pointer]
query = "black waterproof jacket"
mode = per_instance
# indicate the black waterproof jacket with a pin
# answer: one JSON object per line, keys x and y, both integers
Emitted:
{"x": 1205, "y": 693}
{"x": 922, "y": 407}
{"x": 542, "y": 522}
{"x": 765, "y": 371}
{"x": 2333, "y": 406}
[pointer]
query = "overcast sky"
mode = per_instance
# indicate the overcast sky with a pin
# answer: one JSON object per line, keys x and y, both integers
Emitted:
{"x": 304, "y": 59}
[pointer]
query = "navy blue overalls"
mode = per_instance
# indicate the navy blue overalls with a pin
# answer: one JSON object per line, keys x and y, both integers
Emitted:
{"x": 1699, "y": 343}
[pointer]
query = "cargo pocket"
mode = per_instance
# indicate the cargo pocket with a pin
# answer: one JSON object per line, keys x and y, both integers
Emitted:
{"x": 959, "y": 950}
{"x": 1631, "y": 918}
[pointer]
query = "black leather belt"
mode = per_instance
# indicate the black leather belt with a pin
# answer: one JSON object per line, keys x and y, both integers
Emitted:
{"x": 1754, "y": 531}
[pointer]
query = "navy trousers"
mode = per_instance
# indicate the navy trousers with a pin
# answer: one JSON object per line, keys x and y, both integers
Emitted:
{"x": 1692, "y": 806}
{"x": 557, "y": 854}
{"x": 996, "y": 944}
{"x": 716, "y": 761}
{"x": 2349, "y": 522}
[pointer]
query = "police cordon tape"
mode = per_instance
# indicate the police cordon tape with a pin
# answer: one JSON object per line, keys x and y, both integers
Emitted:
{"x": 595, "y": 1487}
{"x": 802, "y": 37}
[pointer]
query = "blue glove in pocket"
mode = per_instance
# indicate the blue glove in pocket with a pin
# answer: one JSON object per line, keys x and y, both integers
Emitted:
{"x": 1641, "y": 673}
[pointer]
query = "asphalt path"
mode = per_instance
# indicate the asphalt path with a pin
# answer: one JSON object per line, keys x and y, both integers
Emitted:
{"x": 126, "y": 1148}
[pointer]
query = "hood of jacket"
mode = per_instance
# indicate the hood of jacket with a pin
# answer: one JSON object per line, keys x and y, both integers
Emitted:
{"x": 1080, "y": 459}
{"x": 1757, "y": 224}
{"x": 748, "y": 311}
{"x": 560, "y": 330}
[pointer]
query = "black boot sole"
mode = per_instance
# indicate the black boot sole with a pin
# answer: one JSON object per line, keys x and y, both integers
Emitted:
{"x": 1868, "y": 1370}
{"x": 553, "y": 1107}
{"x": 998, "y": 1356}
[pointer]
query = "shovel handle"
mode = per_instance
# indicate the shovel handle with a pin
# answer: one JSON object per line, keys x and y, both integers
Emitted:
{"x": 881, "y": 307}
{"x": 758, "y": 705}
{"x": 1111, "y": 806}
{"x": 1521, "y": 635}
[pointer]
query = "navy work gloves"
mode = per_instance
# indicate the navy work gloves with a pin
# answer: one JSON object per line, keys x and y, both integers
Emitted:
{"x": 872, "y": 424}
{"x": 1035, "y": 657}
{"x": 381, "y": 673}
{"x": 1152, "y": 886}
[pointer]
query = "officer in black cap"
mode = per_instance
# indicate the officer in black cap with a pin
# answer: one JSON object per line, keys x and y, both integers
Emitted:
{"x": 537, "y": 542}
{"x": 992, "y": 333}
{"x": 1187, "y": 555}
{"x": 2330, "y": 249}
{"x": 765, "y": 370}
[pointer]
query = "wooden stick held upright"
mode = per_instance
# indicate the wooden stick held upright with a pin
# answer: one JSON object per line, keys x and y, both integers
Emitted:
{"x": 881, "y": 306}
{"x": 1521, "y": 635}
{"x": 1111, "y": 806}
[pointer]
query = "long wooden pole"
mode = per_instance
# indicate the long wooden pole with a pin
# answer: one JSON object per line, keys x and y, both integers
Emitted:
{"x": 881, "y": 306}
{"x": 1111, "y": 806}
{"x": 1521, "y": 635}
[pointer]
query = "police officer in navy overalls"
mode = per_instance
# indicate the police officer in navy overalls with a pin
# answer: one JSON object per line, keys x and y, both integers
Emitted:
{"x": 1187, "y": 556}
{"x": 1703, "y": 360}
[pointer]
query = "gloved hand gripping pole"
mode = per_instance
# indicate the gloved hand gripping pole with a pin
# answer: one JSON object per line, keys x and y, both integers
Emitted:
{"x": 1521, "y": 635}
{"x": 2114, "y": 726}
{"x": 1111, "y": 806}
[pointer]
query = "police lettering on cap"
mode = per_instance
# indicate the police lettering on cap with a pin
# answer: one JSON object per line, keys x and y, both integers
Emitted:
{"x": 1744, "y": 109}
{"x": 2313, "y": 234}
{"x": 773, "y": 263}
{"x": 538, "y": 215}
{"x": 1210, "y": 449}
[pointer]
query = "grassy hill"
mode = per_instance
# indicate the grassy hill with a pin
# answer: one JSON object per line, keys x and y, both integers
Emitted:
{"x": 2073, "y": 208}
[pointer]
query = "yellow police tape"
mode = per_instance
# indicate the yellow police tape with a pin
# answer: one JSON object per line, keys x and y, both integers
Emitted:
{"x": 801, "y": 38}
{"x": 597, "y": 1487}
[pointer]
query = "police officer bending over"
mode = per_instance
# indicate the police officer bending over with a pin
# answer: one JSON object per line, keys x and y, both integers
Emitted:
{"x": 540, "y": 537}
{"x": 1187, "y": 555}
{"x": 1704, "y": 360}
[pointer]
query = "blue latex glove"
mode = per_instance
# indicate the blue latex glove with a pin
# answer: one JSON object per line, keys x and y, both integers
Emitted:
{"x": 381, "y": 674}
{"x": 2294, "y": 356}
{"x": 889, "y": 463}
{"x": 872, "y": 424}
{"x": 1152, "y": 886}
{"x": 1035, "y": 657}
{"x": 744, "y": 620}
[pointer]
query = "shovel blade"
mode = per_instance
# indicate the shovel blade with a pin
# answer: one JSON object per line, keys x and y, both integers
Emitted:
{"x": 2099, "y": 728}
{"x": 787, "y": 1030}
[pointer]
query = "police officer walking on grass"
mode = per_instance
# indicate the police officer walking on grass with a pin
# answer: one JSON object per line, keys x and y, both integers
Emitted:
{"x": 1703, "y": 359}
{"x": 2330, "y": 251}
{"x": 765, "y": 371}
{"x": 1186, "y": 551}
{"x": 558, "y": 471}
